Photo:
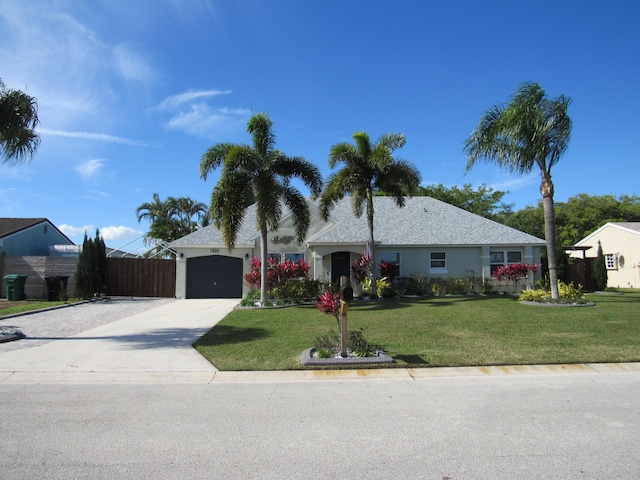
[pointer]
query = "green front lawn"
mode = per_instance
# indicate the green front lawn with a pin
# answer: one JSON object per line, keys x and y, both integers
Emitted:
{"x": 437, "y": 331}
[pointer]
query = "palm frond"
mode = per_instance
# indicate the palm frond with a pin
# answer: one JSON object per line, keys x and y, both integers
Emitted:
{"x": 297, "y": 204}
{"x": 213, "y": 158}
{"x": 259, "y": 127}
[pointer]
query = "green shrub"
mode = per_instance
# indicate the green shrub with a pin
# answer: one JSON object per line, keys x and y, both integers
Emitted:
{"x": 568, "y": 293}
{"x": 538, "y": 295}
{"x": 356, "y": 342}
{"x": 299, "y": 289}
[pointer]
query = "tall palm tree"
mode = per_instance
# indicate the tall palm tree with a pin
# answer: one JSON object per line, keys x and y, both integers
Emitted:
{"x": 530, "y": 130}
{"x": 264, "y": 173}
{"x": 18, "y": 120}
{"x": 369, "y": 168}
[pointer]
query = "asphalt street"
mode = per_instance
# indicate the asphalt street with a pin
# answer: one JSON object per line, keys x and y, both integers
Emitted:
{"x": 584, "y": 426}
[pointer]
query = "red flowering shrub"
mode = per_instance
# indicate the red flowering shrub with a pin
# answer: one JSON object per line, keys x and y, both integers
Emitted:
{"x": 278, "y": 273}
{"x": 360, "y": 269}
{"x": 330, "y": 303}
{"x": 514, "y": 272}
{"x": 389, "y": 270}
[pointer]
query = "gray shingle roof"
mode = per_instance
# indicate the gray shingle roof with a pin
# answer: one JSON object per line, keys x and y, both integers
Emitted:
{"x": 423, "y": 221}
{"x": 212, "y": 237}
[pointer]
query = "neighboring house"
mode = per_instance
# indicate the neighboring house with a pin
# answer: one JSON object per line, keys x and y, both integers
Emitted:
{"x": 620, "y": 243}
{"x": 31, "y": 247}
{"x": 29, "y": 236}
{"x": 426, "y": 238}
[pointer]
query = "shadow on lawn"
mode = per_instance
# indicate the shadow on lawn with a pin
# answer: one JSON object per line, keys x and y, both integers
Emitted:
{"x": 224, "y": 335}
{"x": 431, "y": 300}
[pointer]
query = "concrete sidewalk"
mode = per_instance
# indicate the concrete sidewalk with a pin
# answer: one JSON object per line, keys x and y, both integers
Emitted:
{"x": 155, "y": 340}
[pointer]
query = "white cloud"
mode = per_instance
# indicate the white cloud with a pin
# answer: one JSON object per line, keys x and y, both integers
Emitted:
{"x": 97, "y": 195}
{"x": 71, "y": 231}
{"x": 119, "y": 233}
{"x": 101, "y": 137}
{"x": 90, "y": 168}
{"x": 77, "y": 75}
{"x": 516, "y": 183}
{"x": 204, "y": 121}
{"x": 132, "y": 65}
{"x": 176, "y": 101}
{"x": 193, "y": 114}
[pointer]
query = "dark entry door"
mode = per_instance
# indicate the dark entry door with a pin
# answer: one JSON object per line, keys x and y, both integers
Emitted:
{"x": 340, "y": 265}
{"x": 215, "y": 276}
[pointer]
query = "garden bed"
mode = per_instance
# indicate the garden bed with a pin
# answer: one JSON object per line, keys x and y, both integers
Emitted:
{"x": 308, "y": 360}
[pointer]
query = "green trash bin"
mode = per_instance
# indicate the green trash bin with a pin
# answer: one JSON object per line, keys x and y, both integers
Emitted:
{"x": 14, "y": 285}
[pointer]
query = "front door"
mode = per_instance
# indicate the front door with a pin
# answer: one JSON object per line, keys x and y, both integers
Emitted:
{"x": 340, "y": 266}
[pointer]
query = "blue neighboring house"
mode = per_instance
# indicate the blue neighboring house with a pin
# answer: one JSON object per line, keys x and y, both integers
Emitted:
{"x": 29, "y": 236}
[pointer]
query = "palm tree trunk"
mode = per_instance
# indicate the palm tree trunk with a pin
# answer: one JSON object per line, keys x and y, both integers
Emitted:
{"x": 546, "y": 189}
{"x": 263, "y": 267}
{"x": 374, "y": 265}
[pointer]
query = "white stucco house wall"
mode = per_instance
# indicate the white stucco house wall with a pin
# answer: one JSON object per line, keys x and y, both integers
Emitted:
{"x": 620, "y": 243}
{"x": 426, "y": 238}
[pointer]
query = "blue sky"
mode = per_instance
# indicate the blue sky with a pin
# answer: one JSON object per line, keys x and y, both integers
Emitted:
{"x": 132, "y": 93}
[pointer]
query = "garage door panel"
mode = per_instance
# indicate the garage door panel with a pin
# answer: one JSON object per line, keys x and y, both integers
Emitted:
{"x": 215, "y": 276}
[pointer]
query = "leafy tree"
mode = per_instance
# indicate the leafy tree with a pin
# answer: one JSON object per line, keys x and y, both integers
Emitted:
{"x": 18, "y": 120}
{"x": 483, "y": 201}
{"x": 92, "y": 271}
{"x": 172, "y": 218}
{"x": 529, "y": 220}
{"x": 576, "y": 218}
{"x": 369, "y": 169}
{"x": 262, "y": 172}
{"x": 530, "y": 131}
{"x": 600, "y": 270}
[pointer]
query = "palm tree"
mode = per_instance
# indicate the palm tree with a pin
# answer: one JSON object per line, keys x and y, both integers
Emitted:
{"x": 264, "y": 173}
{"x": 172, "y": 218}
{"x": 159, "y": 215}
{"x": 369, "y": 169}
{"x": 183, "y": 210}
{"x": 18, "y": 120}
{"x": 531, "y": 130}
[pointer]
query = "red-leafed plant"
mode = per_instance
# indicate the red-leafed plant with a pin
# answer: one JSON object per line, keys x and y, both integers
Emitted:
{"x": 389, "y": 270}
{"x": 360, "y": 269}
{"x": 278, "y": 272}
{"x": 514, "y": 272}
{"x": 330, "y": 303}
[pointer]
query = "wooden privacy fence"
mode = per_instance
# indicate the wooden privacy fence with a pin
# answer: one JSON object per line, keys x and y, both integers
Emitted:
{"x": 580, "y": 272}
{"x": 130, "y": 277}
{"x": 142, "y": 277}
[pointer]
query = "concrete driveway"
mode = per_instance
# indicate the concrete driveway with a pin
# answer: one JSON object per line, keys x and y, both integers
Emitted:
{"x": 131, "y": 337}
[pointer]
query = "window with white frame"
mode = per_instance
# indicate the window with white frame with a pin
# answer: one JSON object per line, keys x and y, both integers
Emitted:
{"x": 610, "y": 261}
{"x": 503, "y": 258}
{"x": 438, "y": 262}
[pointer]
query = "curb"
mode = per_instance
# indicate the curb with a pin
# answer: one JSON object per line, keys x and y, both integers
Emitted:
{"x": 286, "y": 376}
